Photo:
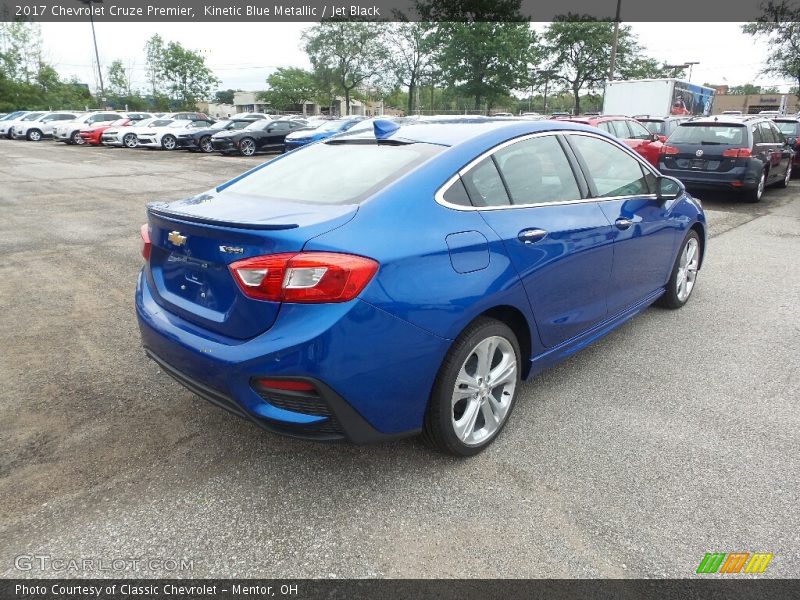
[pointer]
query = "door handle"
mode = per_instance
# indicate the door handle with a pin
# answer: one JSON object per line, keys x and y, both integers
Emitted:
{"x": 531, "y": 236}
{"x": 623, "y": 223}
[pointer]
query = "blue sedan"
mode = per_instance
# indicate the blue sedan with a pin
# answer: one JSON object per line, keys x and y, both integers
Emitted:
{"x": 327, "y": 129}
{"x": 415, "y": 279}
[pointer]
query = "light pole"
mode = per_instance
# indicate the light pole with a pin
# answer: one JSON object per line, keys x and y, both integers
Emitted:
{"x": 89, "y": 3}
{"x": 690, "y": 64}
{"x": 547, "y": 74}
{"x": 613, "y": 60}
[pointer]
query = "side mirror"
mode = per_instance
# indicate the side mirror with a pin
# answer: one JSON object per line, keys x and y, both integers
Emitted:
{"x": 669, "y": 188}
{"x": 654, "y": 137}
{"x": 791, "y": 141}
{"x": 662, "y": 139}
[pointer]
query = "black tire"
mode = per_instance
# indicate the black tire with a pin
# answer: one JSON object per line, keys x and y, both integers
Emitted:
{"x": 75, "y": 138}
{"x": 438, "y": 429}
{"x": 205, "y": 144}
{"x": 129, "y": 140}
{"x": 757, "y": 193}
{"x": 168, "y": 142}
{"x": 34, "y": 135}
{"x": 670, "y": 298}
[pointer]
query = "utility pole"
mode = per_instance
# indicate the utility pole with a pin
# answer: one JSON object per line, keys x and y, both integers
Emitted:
{"x": 613, "y": 61}
{"x": 690, "y": 64}
{"x": 88, "y": 3}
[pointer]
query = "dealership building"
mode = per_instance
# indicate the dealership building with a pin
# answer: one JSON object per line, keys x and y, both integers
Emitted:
{"x": 752, "y": 104}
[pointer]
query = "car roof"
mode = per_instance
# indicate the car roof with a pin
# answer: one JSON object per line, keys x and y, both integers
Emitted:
{"x": 450, "y": 132}
{"x": 727, "y": 120}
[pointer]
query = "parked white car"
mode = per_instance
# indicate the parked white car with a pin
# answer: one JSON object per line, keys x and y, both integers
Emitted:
{"x": 166, "y": 136}
{"x": 126, "y": 136}
{"x": 7, "y": 127}
{"x": 41, "y": 127}
{"x": 70, "y": 132}
{"x": 251, "y": 115}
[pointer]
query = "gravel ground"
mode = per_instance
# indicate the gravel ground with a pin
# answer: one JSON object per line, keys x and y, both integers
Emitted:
{"x": 675, "y": 435}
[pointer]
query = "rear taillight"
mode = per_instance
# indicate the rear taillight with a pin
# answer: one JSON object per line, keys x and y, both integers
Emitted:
{"x": 736, "y": 153}
{"x": 304, "y": 276}
{"x": 669, "y": 150}
{"x": 145, "y": 241}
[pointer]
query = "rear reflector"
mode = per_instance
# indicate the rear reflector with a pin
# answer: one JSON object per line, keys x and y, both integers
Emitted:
{"x": 669, "y": 150}
{"x": 286, "y": 385}
{"x": 145, "y": 242}
{"x": 303, "y": 277}
{"x": 736, "y": 153}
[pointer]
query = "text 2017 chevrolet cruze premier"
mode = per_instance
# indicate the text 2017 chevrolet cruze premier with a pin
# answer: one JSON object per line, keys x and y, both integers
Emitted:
{"x": 384, "y": 283}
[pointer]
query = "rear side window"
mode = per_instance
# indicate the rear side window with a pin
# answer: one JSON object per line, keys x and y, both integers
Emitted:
{"x": 708, "y": 134}
{"x": 342, "y": 174}
{"x": 537, "y": 170}
{"x": 457, "y": 194}
{"x": 613, "y": 171}
{"x": 787, "y": 128}
{"x": 485, "y": 186}
{"x": 654, "y": 126}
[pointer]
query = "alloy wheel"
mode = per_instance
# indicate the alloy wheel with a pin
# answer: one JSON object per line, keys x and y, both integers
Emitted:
{"x": 34, "y": 135}
{"x": 76, "y": 138}
{"x": 168, "y": 142}
{"x": 205, "y": 145}
{"x": 484, "y": 391}
{"x": 129, "y": 140}
{"x": 247, "y": 147}
{"x": 687, "y": 269}
{"x": 761, "y": 183}
{"x": 788, "y": 177}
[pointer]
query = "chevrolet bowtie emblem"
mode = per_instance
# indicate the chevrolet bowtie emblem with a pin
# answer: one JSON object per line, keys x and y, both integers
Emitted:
{"x": 176, "y": 238}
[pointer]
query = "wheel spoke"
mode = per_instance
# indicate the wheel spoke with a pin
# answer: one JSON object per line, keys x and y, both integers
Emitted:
{"x": 485, "y": 353}
{"x": 503, "y": 373}
{"x": 465, "y": 426}
{"x": 491, "y": 420}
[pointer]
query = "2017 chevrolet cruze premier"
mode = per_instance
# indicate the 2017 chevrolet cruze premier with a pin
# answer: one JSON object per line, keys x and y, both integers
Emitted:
{"x": 384, "y": 283}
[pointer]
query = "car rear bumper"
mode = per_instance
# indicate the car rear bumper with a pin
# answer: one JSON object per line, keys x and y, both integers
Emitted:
{"x": 373, "y": 372}
{"x": 736, "y": 179}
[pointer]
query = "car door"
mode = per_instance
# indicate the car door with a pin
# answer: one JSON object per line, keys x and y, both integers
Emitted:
{"x": 532, "y": 195}
{"x": 783, "y": 152}
{"x": 644, "y": 231}
{"x": 766, "y": 148}
{"x": 275, "y": 134}
{"x": 648, "y": 147}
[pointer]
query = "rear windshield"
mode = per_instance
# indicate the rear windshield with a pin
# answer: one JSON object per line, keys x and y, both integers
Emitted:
{"x": 708, "y": 134}
{"x": 654, "y": 126}
{"x": 786, "y": 127}
{"x": 334, "y": 173}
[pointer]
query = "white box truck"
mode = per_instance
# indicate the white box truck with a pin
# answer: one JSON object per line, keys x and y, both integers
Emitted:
{"x": 656, "y": 98}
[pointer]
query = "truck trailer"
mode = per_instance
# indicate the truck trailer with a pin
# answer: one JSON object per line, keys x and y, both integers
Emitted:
{"x": 657, "y": 98}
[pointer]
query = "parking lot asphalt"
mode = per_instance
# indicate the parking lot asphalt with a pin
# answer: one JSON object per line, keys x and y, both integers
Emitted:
{"x": 676, "y": 435}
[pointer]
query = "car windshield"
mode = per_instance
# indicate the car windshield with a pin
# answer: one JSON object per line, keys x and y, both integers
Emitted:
{"x": 708, "y": 134}
{"x": 654, "y": 126}
{"x": 179, "y": 124}
{"x": 332, "y": 125}
{"x": 220, "y": 124}
{"x": 159, "y": 123}
{"x": 343, "y": 173}
{"x": 119, "y": 122}
{"x": 32, "y": 116}
{"x": 786, "y": 127}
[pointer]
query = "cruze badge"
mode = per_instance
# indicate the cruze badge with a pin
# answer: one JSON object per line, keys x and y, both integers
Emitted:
{"x": 698, "y": 153}
{"x": 231, "y": 249}
{"x": 176, "y": 238}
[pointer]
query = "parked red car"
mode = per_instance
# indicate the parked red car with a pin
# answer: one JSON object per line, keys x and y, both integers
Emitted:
{"x": 92, "y": 134}
{"x": 630, "y": 131}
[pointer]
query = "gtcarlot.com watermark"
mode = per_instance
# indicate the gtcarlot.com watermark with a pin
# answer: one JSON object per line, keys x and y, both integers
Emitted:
{"x": 45, "y": 562}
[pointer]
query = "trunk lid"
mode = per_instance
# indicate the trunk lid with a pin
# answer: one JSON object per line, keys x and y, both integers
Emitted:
{"x": 702, "y": 147}
{"x": 194, "y": 240}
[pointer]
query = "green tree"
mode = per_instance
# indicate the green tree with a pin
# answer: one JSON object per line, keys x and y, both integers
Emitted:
{"x": 118, "y": 79}
{"x": 484, "y": 47}
{"x": 410, "y": 56}
{"x": 779, "y": 25}
{"x": 187, "y": 76}
{"x": 289, "y": 86}
{"x": 579, "y": 50}
{"x": 224, "y": 96}
{"x": 744, "y": 90}
{"x": 154, "y": 51}
{"x": 353, "y": 52}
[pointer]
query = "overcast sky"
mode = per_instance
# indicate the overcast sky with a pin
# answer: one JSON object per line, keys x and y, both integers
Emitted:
{"x": 243, "y": 54}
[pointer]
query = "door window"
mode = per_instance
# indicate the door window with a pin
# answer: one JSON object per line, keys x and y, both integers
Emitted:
{"x": 613, "y": 171}
{"x": 457, "y": 194}
{"x": 537, "y": 170}
{"x": 639, "y": 131}
{"x": 619, "y": 129}
{"x": 776, "y": 133}
{"x": 766, "y": 133}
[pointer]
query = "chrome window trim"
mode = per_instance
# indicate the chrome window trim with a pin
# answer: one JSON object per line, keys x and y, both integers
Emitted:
{"x": 439, "y": 195}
